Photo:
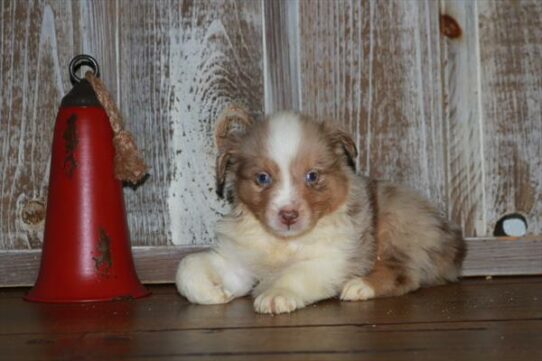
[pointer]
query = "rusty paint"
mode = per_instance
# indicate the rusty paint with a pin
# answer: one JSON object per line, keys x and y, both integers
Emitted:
{"x": 33, "y": 212}
{"x": 71, "y": 141}
{"x": 103, "y": 261}
{"x": 449, "y": 27}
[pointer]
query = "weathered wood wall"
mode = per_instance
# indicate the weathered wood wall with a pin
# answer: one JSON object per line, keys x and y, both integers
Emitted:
{"x": 172, "y": 66}
{"x": 444, "y": 96}
{"x": 455, "y": 115}
{"x": 375, "y": 67}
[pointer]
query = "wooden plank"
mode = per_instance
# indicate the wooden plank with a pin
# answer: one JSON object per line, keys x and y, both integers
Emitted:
{"x": 500, "y": 318}
{"x": 375, "y": 68}
{"x": 335, "y": 53}
{"x": 469, "y": 300}
{"x": 500, "y": 257}
{"x": 281, "y": 55}
{"x": 453, "y": 341}
{"x": 462, "y": 118}
{"x": 485, "y": 257}
{"x": 510, "y": 35}
{"x": 172, "y": 67}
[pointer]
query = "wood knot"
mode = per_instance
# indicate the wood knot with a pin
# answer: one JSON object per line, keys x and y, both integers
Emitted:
{"x": 33, "y": 212}
{"x": 449, "y": 27}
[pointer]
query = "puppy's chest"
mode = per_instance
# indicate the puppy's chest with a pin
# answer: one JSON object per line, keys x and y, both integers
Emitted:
{"x": 264, "y": 253}
{"x": 260, "y": 251}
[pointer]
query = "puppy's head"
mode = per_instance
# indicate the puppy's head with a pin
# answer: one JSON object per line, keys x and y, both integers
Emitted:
{"x": 287, "y": 170}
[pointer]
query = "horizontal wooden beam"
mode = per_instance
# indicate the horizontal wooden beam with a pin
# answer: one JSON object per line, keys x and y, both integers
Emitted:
{"x": 155, "y": 264}
{"x": 503, "y": 257}
{"x": 485, "y": 257}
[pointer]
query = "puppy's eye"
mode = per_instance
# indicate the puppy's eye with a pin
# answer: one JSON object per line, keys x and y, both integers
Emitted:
{"x": 312, "y": 177}
{"x": 263, "y": 179}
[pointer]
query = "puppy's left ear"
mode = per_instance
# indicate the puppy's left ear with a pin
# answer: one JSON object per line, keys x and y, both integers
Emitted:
{"x": 222, "y": 163}
{"x": 232, "y": 125}
{"x": 230, "y": 128}
{"x": 346, "y": 145}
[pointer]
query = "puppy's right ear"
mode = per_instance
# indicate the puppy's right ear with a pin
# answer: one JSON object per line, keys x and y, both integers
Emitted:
{"x": 232, "y": 125}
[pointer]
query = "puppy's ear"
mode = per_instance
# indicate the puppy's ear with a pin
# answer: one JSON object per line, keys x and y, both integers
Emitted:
{"x": 346, "y": 145}
{"x": 231, "y": 126}
{"x": 222, "y": 163}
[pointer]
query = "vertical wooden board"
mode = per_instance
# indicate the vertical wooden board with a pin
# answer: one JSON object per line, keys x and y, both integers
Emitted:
{"x": 375, "y": 67}
{"x": 511, "y": 84}
{"x": 333, "y": 49}
{"x": 144, "y": 29}
{"x": 95, "y": 32}
{"x": 461, "y": 90}
{"x": 181, "y": 63}
{"x": 38, "y": 39}
{"x": 281, "y": 55}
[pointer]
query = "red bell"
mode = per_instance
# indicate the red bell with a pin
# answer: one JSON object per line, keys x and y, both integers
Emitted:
{"x": 86, "y": 247}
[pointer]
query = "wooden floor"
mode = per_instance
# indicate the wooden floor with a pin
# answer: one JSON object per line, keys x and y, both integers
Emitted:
{"x": 499, "y": 319}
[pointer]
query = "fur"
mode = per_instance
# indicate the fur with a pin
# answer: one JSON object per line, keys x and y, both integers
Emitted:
{"x": 349, "y": 236}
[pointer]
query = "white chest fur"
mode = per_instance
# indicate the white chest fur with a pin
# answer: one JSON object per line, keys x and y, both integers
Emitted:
{"x": 243, "y": 240}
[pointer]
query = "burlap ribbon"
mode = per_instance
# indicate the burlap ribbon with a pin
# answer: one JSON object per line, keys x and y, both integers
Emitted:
{"x": 129, "y": 164}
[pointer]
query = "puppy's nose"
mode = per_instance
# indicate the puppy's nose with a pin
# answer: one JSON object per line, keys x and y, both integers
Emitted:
{"x": 288, "y": 216}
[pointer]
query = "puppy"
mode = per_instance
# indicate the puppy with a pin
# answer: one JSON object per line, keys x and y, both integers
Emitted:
{"x": 304, "y": 227}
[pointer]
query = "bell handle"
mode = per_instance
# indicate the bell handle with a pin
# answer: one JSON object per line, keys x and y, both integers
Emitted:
{"x": 79, "y": 61}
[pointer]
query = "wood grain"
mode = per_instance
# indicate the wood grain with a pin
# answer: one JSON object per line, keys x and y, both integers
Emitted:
{"x": 282, "y": 80}
{"x": 503, "y": 257}
{"x": 158, "y": 264}
{"x": 501, "y": 299}
{"x": 172, "y": 67}
{"x": 498, "y": 318}
{"x": 457, "y": 118}
{"x": 462, "y": 341}
{"x": 511, "y": 93}
{"x": 198, "y": 57}
{"x": 375, "y": 68}
{"x": 462, "y": 119}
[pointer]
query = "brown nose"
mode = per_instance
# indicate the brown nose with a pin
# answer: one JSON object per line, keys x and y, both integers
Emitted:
{"x": 288, "y": 216}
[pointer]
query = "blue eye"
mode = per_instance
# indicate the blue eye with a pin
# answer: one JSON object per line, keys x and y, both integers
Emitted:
{"x": 263, "y": 179}
{"x": 312, "y": 177}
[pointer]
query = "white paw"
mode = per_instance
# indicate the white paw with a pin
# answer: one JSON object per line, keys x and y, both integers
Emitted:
{"x": 357, "y": 290}
{"x": 277, "y": 300}
{"x": 207, "y": 294}
{"x": 198, "y": 283}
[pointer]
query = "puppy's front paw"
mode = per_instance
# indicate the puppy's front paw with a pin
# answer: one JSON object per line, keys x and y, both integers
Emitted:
{"x": 277, "y": 300}
{"x": 357, "y": 290}
{"x": 198, "y": 282}
{"x": 207, "y": 294}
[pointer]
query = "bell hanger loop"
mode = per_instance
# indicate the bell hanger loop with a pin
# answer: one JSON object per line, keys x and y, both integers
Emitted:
{"x": 78, "y": 62}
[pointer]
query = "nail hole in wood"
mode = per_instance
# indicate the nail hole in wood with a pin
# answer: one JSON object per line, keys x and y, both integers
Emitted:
{"x": 449, "y": 27}
{"x": 511, "y": 225}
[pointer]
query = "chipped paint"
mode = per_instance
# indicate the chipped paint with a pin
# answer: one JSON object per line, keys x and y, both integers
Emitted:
{"x": 71, "y": 141}
{"x": 103, "y": 261}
